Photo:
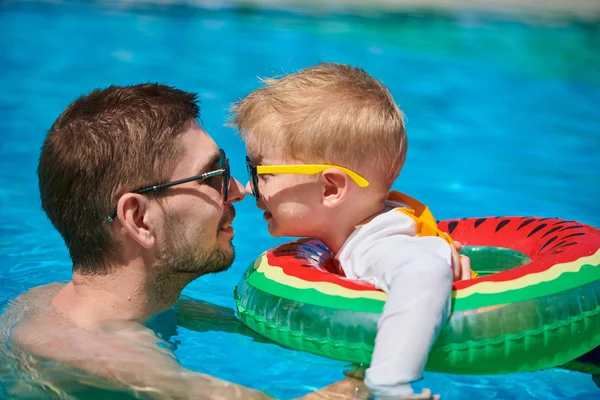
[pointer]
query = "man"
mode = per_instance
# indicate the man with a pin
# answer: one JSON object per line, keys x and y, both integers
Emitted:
{"x": 142, "y": 197}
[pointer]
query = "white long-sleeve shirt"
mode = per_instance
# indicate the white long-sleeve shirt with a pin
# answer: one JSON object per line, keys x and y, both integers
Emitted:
{"x": 416, "y": 272}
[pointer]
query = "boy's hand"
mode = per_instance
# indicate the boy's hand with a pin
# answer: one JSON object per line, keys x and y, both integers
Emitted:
{"x": 461, "y": 265}
{"x": 424, "y": 395}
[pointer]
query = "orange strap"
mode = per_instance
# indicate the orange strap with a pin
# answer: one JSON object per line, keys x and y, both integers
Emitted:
{"x": 424, "y": 220}
{"x": 419, "y": 212}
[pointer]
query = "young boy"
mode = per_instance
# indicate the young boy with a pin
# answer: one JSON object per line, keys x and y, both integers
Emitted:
{"x": 324, "y": 146}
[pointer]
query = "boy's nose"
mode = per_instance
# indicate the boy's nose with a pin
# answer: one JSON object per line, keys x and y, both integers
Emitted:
{"x": 249, "y": 189}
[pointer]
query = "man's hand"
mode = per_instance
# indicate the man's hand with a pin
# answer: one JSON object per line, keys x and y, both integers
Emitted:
{"x": 346, "y": 389}
{"x": 424, "y": 395}
{"x": 461, "y": 265}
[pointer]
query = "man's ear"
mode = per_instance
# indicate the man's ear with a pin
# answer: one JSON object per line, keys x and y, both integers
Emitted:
{"x": 133, "y": 214}
{"x": 336, "y": 187}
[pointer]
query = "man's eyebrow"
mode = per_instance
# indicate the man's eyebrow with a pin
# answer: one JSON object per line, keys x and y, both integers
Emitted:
{"x": 210, "y": 165}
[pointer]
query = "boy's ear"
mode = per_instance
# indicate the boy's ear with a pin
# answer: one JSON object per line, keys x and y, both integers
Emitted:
{"x": 133, "y": 214}
{"x": 336, "y": 187}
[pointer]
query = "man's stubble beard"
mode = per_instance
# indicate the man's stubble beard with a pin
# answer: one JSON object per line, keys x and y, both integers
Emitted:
{"x": 181, "y": 258}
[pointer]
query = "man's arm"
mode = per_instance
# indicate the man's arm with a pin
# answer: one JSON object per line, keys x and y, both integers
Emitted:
{"x": 203, "y": 316}
{"x": 134, "y": 362}
{"x": 144, "y": 368}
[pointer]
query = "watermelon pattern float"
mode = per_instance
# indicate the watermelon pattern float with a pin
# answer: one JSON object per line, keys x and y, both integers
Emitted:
{"x": 535, "y": 305}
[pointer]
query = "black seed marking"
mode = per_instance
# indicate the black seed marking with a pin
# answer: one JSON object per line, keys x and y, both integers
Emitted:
{"x": 552, "y": 239}
{"x": 558, "y": 251}
{"x": 537, "y": 228}
{"x": 526, "y": 223}
{"x": 566, "y": 228}
{"x": 550, "y": 231}
{"x": 480, "y": 221}
{"x": 560, "y": 222}
{"x": 502, "y": 224}
{"x": 559, "y": 244}
{"x": 574, "y": 234}
{"x": 569, "y": 244}
{"x": 452, "y": 226}
{"x": 545, "y": 219}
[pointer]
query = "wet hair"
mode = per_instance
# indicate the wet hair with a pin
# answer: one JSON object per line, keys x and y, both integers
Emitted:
{"x": 330, "y": 113}
{"x": 105, "y": 143}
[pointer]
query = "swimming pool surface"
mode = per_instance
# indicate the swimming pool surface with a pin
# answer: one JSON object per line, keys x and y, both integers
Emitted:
{"x": 502, "y": 116}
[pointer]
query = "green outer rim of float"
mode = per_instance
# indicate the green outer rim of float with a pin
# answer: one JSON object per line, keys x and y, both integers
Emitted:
{"x": 587, "y": 274}
{"x": 550, "y": 338}
{"x": 583, "y": 367}
{"x": 546, "y": 346}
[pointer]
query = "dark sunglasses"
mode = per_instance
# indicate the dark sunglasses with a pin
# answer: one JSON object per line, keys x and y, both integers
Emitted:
{"x": 252, "y": 177}
{"x": 223, "y": 170}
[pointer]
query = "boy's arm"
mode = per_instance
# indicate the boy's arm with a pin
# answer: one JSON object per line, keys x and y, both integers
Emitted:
{"x": 416, "y": 272}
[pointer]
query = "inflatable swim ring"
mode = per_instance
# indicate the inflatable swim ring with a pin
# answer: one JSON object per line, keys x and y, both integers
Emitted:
{"x": 588, "y": 363}
{"x": 536, "y": 304}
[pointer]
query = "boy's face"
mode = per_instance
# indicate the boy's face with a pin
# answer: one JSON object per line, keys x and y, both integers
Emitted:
{"x": 291, "y": 202}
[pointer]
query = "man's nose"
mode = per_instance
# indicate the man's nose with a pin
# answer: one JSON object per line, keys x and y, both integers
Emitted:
{"x": 236, "y": 190}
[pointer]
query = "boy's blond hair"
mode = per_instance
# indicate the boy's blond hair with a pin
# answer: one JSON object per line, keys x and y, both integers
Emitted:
{"x": 327, "y": 114}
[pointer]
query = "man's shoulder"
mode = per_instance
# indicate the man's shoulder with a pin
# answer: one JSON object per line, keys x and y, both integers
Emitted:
{"x": 36, "y": 336}
{"x": 38, "y": 296}
{"x": 35, "y": 323}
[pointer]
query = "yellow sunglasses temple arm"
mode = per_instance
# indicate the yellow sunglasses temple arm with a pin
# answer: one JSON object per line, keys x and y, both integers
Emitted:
{"x": 303, "y": 169}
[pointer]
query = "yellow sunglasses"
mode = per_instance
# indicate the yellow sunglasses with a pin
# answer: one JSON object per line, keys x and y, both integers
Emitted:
{"x": 302, "y": 169}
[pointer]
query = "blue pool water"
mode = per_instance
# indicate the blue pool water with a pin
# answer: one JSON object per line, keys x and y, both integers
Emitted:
{"x": 502, "y": 119}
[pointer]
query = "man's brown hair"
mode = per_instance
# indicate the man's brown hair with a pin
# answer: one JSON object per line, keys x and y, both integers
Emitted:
{"x": 330, "y": 113}
{"x": 104, "y": 144}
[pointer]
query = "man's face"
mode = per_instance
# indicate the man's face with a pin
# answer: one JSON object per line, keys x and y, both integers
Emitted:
{"x": 196, "y": 231}
{"x": 289, "y": 201}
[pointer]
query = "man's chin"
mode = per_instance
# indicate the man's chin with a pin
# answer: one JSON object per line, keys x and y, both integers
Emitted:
{"x": 221, "y": 260}
{"x": 218, "y": 261}
{"x": 221, "y": 269}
